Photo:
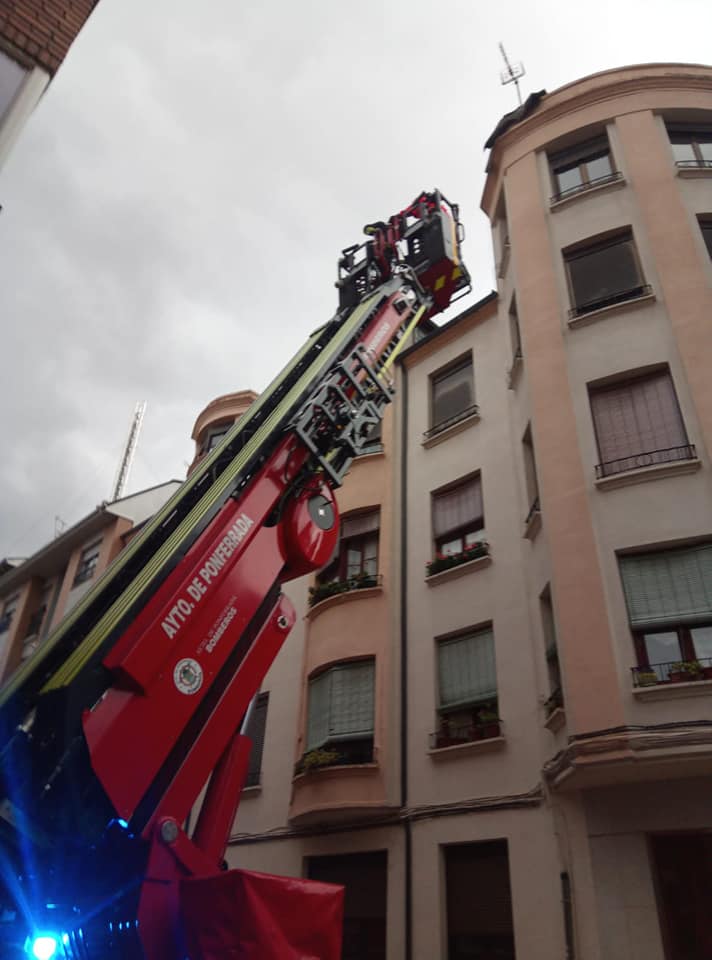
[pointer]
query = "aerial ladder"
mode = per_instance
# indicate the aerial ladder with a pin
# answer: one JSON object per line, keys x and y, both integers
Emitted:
{"x": 141, "y": 696}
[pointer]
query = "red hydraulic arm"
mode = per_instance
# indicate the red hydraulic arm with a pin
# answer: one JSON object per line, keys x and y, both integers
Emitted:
{"x": 182, "y": 673}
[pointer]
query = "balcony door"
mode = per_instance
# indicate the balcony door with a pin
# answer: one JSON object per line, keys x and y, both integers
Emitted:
{"x": 682, "y": 865}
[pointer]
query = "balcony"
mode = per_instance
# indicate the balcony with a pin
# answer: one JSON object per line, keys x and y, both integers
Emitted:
{"x": 456, "y": 734}
{"x": 580, "y": 188}
{"x": 672, "y": 672}
{"x": 650, "y": 458}
{"x": 343, "y": 753}
{"x": 342, "y": 780}
{"x": 467, "y": 413}
{"x": 447, "y": 561}
{"x": 639, "y": 292}
{"x": 322, "y": 591}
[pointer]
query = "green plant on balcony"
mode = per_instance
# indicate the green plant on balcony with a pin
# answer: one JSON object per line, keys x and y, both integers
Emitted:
{"x": 691, "y": 669}
{"x": 321, "y": 591}
{"x": 445, "y": 561}
{"x": 647, "y": 678}
{"x": 316, "y": 759}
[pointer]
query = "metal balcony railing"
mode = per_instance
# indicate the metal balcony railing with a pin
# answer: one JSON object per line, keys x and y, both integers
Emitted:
{"x": 694, "y": 164}
{"x": 337, "y": 753}
{"x": 362, "y": 582}
{"x": 673, "y": 671}
{"x": 588, "y": 185}
{"x": 463, "y": 414}
{"x": 452, "y": 735}
{"x": 648, "y": 458}
{"x": 621, "y": 296}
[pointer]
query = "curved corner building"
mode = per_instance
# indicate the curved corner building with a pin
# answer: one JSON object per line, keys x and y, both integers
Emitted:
{"x": 494, "y": 723}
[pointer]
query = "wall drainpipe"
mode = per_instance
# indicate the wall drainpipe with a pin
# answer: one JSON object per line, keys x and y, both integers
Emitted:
{"x": 408, "y": 852}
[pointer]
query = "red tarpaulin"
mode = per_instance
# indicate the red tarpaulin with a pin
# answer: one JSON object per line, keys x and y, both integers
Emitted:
{"x": 240, "y": 915}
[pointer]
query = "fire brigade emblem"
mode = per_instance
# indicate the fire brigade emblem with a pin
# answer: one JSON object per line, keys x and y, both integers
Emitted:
{"x": 188, "y": 676}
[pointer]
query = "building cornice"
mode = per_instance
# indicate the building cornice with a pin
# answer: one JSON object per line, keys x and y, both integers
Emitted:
{"x": 587, "y": 92}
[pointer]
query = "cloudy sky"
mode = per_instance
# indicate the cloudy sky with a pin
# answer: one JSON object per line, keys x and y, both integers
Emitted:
{"x": 173, "y": 210}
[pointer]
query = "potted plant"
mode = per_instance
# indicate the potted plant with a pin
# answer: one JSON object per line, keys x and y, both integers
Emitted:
{"x": 487, "y": 724}
{"x": 646, "y": 677}
{"x": 692, "y": 670}
{"x": 316, "y": 759}
{"x": 676, "y": 674}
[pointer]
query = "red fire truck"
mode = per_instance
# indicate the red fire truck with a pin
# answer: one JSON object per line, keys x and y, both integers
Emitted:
{"x": 140, "y": 696}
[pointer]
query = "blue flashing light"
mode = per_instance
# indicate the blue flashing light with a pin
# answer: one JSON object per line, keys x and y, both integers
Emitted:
{"x": 43, "y": 946}
{"x": 123, "y": 823}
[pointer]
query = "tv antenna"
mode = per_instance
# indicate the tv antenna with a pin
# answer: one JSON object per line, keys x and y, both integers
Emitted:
{"x": 513, "y": 73}
{"x": 122, "y": 474}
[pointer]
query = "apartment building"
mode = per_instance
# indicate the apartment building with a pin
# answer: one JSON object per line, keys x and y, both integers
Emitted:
{"x": 35, "y": 593}
{"x": 494, "y": 721}
{"x": 35, "y": 36}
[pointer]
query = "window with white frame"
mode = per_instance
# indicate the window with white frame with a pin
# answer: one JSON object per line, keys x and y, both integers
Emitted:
{"x": 668, "y": 595}
{"x": 579, "y": 168}
{"x": 691, "y": 145}
{"x": 340, "y": 710}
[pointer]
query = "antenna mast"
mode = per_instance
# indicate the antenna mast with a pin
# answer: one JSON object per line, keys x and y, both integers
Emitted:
{"x": 122, "y": 474}
{"x": 512, "y": 74}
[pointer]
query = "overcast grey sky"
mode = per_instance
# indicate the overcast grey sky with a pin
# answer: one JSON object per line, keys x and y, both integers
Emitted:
{"x": 173, "y": 211}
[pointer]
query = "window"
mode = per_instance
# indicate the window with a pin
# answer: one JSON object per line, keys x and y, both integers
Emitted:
{"x": 87, "y": 563}
{"x": 706, "y": 228}
{"x": 548, "y": 624}
{"x": 581, "y": 167}
{"x": 11, "y": 77}
{"x": 669, "y": 599}
{"x": 458, "y": 517}
{"x": 604, "y": 273}
{"x": 638, "y": 424}
{"x": 514, "y": 331}
{"x": 691, "y": 147}
{"x": 467, "y": 686}
{"x": 452, "y": 396}
{"x": 340, "y": 711}
{"x": 214, "y": 436}
{"x": 8, "y": 612}
{"x": 256, "y": 733}
{"x": 530, "y": 478}
{"x": 37, "y": 618}
{"x": 356, "y": 554}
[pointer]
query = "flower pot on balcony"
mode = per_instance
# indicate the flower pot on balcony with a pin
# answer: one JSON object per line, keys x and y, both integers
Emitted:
{"x": 488, "y": 730}
{"x": 676, "y": 676}
{"x": 647, "y": 678}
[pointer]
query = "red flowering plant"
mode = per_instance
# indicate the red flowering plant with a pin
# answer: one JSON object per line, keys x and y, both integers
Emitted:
{"x": 444, "y": 561}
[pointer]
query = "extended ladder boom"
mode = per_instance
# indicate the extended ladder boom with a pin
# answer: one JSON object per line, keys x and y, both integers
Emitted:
{"x": 109, "y": 733}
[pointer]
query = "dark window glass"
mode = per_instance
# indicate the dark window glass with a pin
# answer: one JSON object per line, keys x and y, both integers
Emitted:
{"x": 603, "y": 274}
{"x": 453, "y": 394}
{"x": 356, "y": 554}
{"x": 691, "y": 147}
{"x": 706, "y": 228}
{"x": 87, "y": 563}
